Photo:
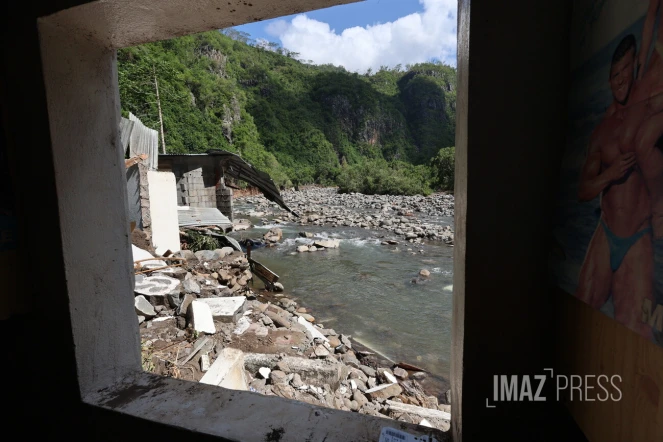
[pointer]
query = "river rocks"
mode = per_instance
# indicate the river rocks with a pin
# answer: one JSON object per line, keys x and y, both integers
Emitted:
{"x": 327, "y": 244}
{"x": 406, "y": 216}
{"x": 273, "y": 235}
{"x": 425, "y": 273}
{"x": 302, "y": 249}
{"x": 400, "y": 373}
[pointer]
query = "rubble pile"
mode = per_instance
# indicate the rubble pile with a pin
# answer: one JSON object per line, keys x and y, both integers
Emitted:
{"x": 200, "y": 321}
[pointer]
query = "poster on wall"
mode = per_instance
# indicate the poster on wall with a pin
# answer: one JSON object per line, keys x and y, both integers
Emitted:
{"x": 608, "y": 236}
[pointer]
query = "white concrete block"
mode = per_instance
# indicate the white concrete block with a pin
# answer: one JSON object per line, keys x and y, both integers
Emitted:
{"x": 227, "y": 371}
{"x": 228, "y": 309}
{"x": 314, "y": 331}
{"x": 139, "y": 254}
{"x": 163, "y": 210}
{"x": 201, "y": 318}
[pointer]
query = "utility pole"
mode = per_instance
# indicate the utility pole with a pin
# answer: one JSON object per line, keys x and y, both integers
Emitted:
{"x": 156, "y": 85}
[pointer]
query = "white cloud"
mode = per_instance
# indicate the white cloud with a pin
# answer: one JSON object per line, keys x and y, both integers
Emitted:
{"x": 414, "y": 38}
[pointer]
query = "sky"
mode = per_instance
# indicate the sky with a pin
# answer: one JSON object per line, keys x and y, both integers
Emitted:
{"x": 368, "y": 34}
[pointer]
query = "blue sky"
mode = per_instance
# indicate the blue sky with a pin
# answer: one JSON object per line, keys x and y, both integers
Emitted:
{"x": 368, "y": 34}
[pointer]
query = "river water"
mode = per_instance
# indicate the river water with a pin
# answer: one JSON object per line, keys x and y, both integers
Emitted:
{"x": 366, "y": 290}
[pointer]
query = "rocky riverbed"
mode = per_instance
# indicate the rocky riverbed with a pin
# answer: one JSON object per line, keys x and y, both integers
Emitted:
{"x": 410, "y": 218}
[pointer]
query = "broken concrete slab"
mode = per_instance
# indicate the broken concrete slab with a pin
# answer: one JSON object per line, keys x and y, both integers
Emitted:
{"x": 227, "y": 371}
{"x": 311, "y": 371}
{"x": 156, "y": 288}
{"x": 228, "y": 309}
{"x": 143, "y": 307}
{"x": 421, "y": 412}
{"x": 201, "y": 318}
{"x": 204, "y": 363}
{"x": 315, "y": 332}
{"x": 242, "y": 325}
{"x": 184, "y": 306}
{"x": 384, "y": 391}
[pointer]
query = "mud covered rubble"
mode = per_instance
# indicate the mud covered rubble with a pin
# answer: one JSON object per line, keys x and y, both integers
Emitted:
{"x": 189, "y": 315}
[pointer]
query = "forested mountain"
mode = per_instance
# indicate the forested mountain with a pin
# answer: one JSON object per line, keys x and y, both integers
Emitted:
{"x": 300, "y": 122}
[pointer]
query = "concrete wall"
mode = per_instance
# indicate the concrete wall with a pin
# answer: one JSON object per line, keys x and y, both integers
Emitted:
{"x": 199, "y": 182}
{"x": 511, "y": 120}
{"x": 163, "y": 211}
{"x": 506, "y": 154}
{"x": 134, "y": 212}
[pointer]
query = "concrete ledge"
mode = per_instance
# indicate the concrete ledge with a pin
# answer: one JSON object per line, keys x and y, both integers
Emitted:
{"x": 220, "y": 412}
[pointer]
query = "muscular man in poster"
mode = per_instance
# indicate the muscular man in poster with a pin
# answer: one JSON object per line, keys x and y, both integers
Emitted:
{"x": 622, "y": 164}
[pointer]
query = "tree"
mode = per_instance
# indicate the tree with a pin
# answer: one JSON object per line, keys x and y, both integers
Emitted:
{"x": 444, "y": 166}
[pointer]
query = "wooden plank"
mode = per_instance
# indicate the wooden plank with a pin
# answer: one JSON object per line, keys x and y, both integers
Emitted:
{"x": 590, "y": 343}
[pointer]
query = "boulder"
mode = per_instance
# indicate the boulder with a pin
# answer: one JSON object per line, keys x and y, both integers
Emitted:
{"x": 273, "y": 235}
{"x": 206, "y": 255}
{"x": 425, "y": 273}
{"x": 301, "y": 249}
{"x": 400, "y": 373}
{"x": 327, "y": 244}
{"x": 143, "y": 307}
{"x": 278, "y": 377}
{"x": 191, "y": 286}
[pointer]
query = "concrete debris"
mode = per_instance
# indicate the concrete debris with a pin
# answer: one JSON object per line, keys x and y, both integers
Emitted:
{"x": 206, "y": 318}
{"x": 228, "y": 309}
{"x": 200, "y": 317}
{"x": 204, "y": 363}
{"x": 143, "y": 307}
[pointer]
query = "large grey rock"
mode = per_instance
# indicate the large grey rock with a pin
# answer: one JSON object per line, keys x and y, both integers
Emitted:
{"x": 327, "y": 244}
{"x": 278, "y": 377}
{"x": 224, "y": 251}
{"x": 174, "y": 299}
{"x": 206, "y": 255}
{"x": 143, "y": 307}
{"x": 191, "y": 286}
{"x": 368, "y": 371}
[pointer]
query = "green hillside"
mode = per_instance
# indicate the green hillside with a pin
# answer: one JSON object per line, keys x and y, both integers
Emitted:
{"x": 376, "y": 132}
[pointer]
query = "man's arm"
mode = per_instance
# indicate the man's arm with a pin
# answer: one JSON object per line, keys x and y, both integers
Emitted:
{"x": 650, "y": 161}
{"x": 647, "y": 36}
{"x": 592, "y": 180}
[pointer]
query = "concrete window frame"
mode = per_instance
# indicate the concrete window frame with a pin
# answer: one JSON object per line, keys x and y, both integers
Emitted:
{"x": 78, "y": 48}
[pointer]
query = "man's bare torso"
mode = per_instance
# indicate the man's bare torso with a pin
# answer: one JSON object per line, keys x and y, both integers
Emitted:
{"x": 625, "y": 203}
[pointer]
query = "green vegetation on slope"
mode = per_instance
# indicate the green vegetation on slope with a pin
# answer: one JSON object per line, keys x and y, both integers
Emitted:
{"x": 370, "y": 133}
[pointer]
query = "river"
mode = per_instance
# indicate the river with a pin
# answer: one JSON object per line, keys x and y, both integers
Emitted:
{"x": 366, "y": 289}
